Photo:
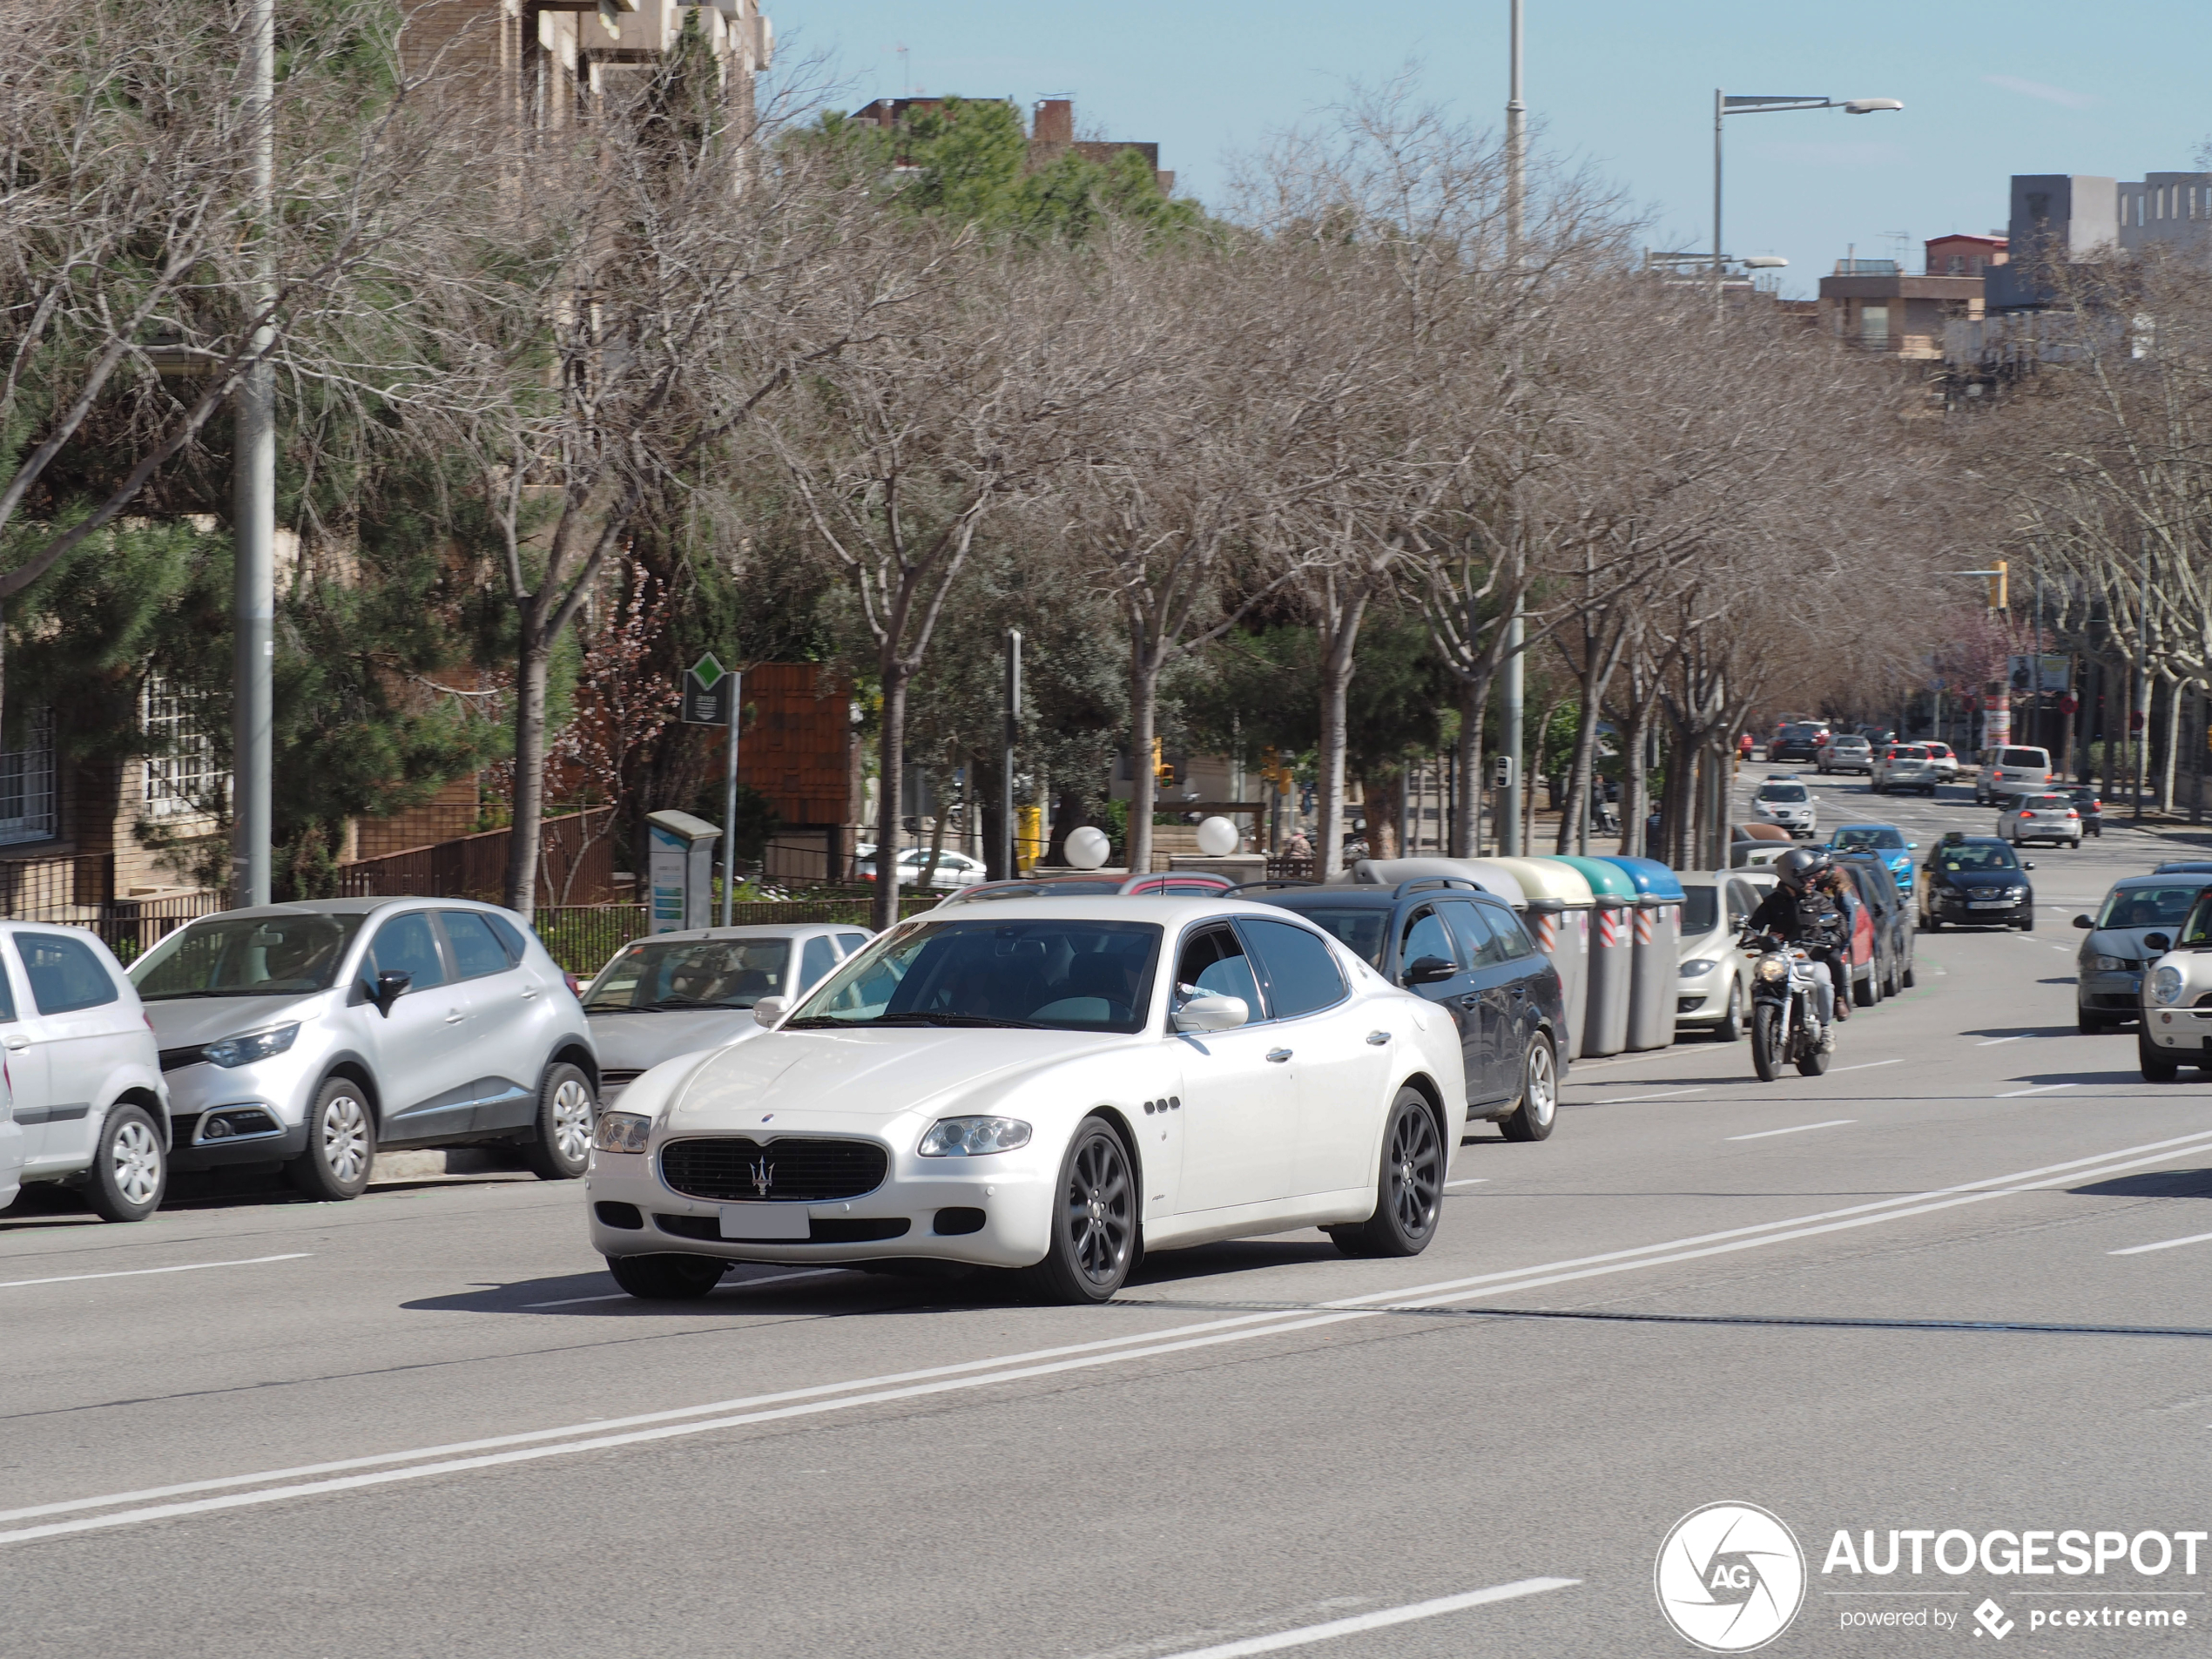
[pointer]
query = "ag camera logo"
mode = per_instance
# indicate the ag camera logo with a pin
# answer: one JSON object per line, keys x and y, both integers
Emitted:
{"x": 1730, "y": 1577}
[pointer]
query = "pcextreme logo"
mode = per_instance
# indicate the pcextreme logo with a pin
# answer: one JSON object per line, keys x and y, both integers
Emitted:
{"x": 1730, "y": 1577}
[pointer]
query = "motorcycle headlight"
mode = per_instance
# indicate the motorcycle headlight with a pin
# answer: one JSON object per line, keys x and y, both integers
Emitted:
{"x": 249, "y": 1046}
{"x": 969, "y": 1137}
{"x": 2166, "y": 984}
{"x": 621, "y": 1132}
{"x": 1773, "y": 967}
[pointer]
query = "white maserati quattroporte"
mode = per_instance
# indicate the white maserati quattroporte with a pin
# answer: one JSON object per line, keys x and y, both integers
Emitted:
{"x": 1027, "y": 1085}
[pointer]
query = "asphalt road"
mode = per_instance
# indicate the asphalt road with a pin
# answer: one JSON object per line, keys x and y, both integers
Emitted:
{"x": 1911, "y": 1294}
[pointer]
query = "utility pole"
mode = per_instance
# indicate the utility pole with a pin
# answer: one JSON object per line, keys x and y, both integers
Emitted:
{"x": 1008, "y": 841}
{"x": 1511, "y": 690}
{"x": 253, "y": 512}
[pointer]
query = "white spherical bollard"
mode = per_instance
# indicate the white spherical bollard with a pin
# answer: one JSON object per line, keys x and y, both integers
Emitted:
{"x": 1087, "y": 847}
{"x": 1217, "y": 837}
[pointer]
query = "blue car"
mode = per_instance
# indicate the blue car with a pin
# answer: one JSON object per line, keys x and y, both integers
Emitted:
{"x": 1886, "y": 839}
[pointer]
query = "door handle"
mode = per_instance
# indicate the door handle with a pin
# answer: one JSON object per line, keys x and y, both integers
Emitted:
{"x": 1278, "y": 1056}
{"x": 16, "y": 1040}
{"x": 454, "y": 1017}
{"x": 528, "y": 991}
{"x": 1377, "y": 1038}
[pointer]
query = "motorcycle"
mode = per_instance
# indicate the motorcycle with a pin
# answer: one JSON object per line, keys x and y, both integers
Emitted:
{"x": 1786, "y": 1026}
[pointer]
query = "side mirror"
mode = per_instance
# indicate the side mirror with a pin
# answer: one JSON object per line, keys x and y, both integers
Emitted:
{"x": 2158, "y": 942}
{"x": 391, "y": 985}
{"x": 2027, "y": 864}
{"x": 1429, "y": 969}
{"x": 769, "y": 1009}
{"x": 2085, "y": 921}
{"x": 1212, "y": 1014}
{"x": 1911, "y": 847}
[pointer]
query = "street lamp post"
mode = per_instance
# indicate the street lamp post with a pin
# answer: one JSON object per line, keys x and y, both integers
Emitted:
{"x": 1724, "y": 106}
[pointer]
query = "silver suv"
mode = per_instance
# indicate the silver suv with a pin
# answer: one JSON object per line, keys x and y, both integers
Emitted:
{"x": 312, "y": 1034}
{"x": 81, "y": 1098}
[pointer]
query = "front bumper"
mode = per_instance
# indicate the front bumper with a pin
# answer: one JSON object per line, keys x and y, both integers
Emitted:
{"x": 264, "y": 1102}
{"x": 900, "y": 1219}
{"x": 1702, "y": 999}
{"x": 1955, "y": 907}
{"x": 2110, "y": 993}
{"x": 2184, "y": 1028}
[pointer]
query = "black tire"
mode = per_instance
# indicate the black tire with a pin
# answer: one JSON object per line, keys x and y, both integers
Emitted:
{"x": 1730, "y": 1030}
{"x": 1814, "y": 1063}
{"x": 566, "y": 1112}
{"x": 130, "y": 1172}
{"x": 1766, "y": 1041}
{"x": 2091, "y": 1025}
{"x": 1862, "y": 993}
{"x": 1409, "y": 1187}
{"x": 2026, "y": 923}
{"x": 666, "y": 1278}
{"x": 341, "y": 1144}
{"x": 1533, "y": 1118}
{"x": 2159, "y": 1067}
{"x": 1904, "y": 976}
{"x": 1094, "y": 1221}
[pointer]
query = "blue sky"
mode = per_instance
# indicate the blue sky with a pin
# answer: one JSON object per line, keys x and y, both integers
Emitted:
{"x": 1990, "y": 89}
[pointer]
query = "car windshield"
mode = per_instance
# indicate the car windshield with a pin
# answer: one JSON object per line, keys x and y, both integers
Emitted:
{"x": 2197, "y": 930}
{"x": 1970, "y": 856}
{"x": 652, "y": 976}
{"x": 247, "y": 956}
{"x": 1041, "y": 889}
{"x": 1701, "y": 909}
{"x": 1782, "y": 792}
{"x": 1364, "y": 928}
{"x": 1880, "y": 837}
{"x": 2149, "y": 907}
{"x": 1063, "y": 975}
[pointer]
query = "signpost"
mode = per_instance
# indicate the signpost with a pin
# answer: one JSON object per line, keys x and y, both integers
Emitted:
{"x": 714, "y": 696}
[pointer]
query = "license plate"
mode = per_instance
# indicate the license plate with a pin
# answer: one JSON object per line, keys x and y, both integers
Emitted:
{"x": 1973, "y": 904}
{"x": 780, "y": 1222}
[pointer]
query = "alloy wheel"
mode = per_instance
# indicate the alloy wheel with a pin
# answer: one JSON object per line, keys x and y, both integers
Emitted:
{"x": 345, "y": 1137}
{"x": 1416, "y": 1170}
{"x": 136, "y": 1157}
{"x": 572, "y": 1120}
{"x": 1540, "y": 1097}
{"x": 1099, "y": 1211}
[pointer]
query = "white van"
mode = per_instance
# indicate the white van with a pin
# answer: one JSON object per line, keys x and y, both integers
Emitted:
{"x": 2012, "y": 771}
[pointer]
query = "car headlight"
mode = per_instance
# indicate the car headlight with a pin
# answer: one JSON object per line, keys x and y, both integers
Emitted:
{"x": 1773, "y": 967}
{"x": 1699, "y": 964}
{"x": 621, "y": 1132}
{"x": 2109, "y": 964}
{"x": 2166, "y": 984}
{"x": 249, "y": 1046}
{"x": 969, "y": 1137}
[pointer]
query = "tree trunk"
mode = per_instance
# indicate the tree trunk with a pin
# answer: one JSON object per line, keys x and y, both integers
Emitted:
{"x": 1144, "y": 724}
{"x": 2171, "y": 749}
{"x": 527, "y": 831}
{"x": 1467, "y": 785}
{"x": 1339, "y": 646}
{"x": 891, "y": 776}
{"x": 937, "y": 846}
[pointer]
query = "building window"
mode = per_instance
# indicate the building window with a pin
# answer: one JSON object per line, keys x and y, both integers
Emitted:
{"x": 27, "y": 784}
{"x": 1874, "y": 328}
{"x": 181, "y": 778}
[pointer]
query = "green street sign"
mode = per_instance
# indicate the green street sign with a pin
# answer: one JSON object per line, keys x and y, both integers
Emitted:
{"x": 705, "y": 692}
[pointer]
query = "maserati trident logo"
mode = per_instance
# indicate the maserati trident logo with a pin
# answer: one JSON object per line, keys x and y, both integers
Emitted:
{"x": 764, "y": 1175}
{"x": 1729, "y": 1577}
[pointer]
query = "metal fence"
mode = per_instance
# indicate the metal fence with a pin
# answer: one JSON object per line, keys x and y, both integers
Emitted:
{"x": 130, "y": 928}
{"x": 582, "y": 937}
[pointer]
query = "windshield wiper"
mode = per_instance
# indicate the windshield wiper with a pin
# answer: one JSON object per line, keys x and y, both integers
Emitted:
{"x": 937, "y": 1017}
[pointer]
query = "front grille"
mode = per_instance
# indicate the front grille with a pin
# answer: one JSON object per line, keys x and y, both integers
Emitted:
{"x": 615, "y": 1076}
{"x": 859, "y": 1230}
{"x": 794, "y": 1169}
{"x": 178, "y": 1059}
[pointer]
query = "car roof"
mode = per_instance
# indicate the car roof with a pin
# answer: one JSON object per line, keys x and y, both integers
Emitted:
{"x": 1170, "y": 911}
{"x": 350, "y": 906}
{"x": 1973, "y": 840}
{"x": 1375, "y": 896}
{"x": 2162, "y": 877}
{"x": 749, "y": 930}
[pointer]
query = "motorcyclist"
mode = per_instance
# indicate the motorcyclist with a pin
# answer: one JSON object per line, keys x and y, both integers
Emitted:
{"x": 1803, "y": 909}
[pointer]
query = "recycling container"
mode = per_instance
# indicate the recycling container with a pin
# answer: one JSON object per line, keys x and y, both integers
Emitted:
{"x": 1557, "y": 912}
{"x": 1613, "y": 950}
{"x": 1656, "y": 976}
{"x": 1487, "y": 873}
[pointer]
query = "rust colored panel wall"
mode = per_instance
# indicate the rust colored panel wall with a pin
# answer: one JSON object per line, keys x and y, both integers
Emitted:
{"x": 797, "y": 740}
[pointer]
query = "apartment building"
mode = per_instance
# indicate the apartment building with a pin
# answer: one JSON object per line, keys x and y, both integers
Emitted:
{"x": 1878, "y": 305}
{"x": 2063, "y": 218}
{"x": 1052, "y": 132}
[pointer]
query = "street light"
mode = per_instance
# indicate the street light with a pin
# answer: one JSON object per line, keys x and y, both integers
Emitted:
{"x": 1724, "y": 105}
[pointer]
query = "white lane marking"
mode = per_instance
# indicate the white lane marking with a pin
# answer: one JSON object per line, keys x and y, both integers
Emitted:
{"x": 1473, "y": 1181}
{"x": 2040, "y": 1088}
{"x": 1381, "y": 1619}
{"x": 2164, "y": 1244}
{"x": 1175, "y": 1339}
{"x": 1864, "y": 1065}
{"x": 139, "y": 1272}
{"x": 1664, "y": 1093}
{"x": 1997, "y": 1041}
{"x": 735, "y": 1285}
{"x": 1794, "y": 1129}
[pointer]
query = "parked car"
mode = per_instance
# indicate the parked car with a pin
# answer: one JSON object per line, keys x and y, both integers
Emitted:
{"x": 953, "y": 870}
{"x": 2040, "y": 818}
{"x": 1885, "y": 840}
{"x": 2184, "y": 867}
{"x": 1448, "y": 942}
{"x": 1054, "y": 1085}
{"x": 2010, "y": 771}
{"x": 1946, "y": 760}
{"x": 1715, "y": 992}
{"x": 314, "y": 1033}
{"x": 1904, "y": 766}
{"x": 2175, "y": 1029}
{"x": 1800, "y": 741}
{"x": 2084, "y": 797}
{"x": 82, "y": 1099}
{"x": 1786, "y": 803}
{"x": 1891, "y": 913}
{"x": 2132, "y": 928}
{"x": 673, "y": 993}
{"x": 1845, "y": 751}
{"x": 1976, "y": 881}
{"x": 1069, "y": 884}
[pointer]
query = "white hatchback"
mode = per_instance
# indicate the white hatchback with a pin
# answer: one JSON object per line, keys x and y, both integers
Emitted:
{"x": 82, "y": 1099}
{"x": 1787, "y": 804}
{"x": 2040, "y": 818}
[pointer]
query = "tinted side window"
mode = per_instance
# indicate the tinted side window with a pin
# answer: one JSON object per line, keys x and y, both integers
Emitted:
{"x": 1301, "y": 974}
{"x": 7, "y": 995}
{"x": 406, "y": 945}
{"x": 1425, "y": 935}
{"x": 65, "y": 972}
{"x": 816, "y": 961}
{"x": 1213, "y": 963}
{"x": 850, "y": 942}
{"x": 1502, "y": 941}
{"x": 476, "y": 949}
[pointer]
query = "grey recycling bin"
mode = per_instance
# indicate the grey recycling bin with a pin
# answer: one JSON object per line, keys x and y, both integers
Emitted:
{"x": 1655, "y": 980}
{"x": 1613, "y": 949}
{"x": 1557, "y": 912}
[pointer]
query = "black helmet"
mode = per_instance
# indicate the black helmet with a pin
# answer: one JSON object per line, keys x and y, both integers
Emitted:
{"x": 1797, "y": 868}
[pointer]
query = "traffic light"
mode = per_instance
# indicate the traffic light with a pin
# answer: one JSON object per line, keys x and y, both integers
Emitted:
{"x": 1163, "y": 774}
{"x": 1999, "y": 589}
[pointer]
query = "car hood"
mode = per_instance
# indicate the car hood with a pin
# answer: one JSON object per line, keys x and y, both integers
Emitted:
{"x": 637, "y": 1042}
{"x": 180, "y": 1022}
{"x": 858, "y": 1079}
{"x": 2127, "y": 941}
